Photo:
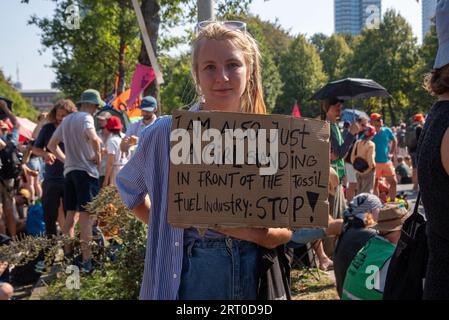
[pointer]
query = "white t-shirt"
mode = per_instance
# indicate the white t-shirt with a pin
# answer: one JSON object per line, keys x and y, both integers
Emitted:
{"x": 113, "y": 147}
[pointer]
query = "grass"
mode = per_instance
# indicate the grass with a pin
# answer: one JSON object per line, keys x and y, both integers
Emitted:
{"x": 312, "y": 284}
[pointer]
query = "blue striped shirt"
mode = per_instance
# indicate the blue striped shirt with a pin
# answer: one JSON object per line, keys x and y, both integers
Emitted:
{"x": 147, "y": 173}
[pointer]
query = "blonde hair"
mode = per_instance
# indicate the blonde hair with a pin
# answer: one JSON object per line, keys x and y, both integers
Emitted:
{"x": 252, "y": 98}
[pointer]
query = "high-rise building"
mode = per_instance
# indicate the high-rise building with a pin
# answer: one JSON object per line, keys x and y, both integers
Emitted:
{"x": 428, "y": 12}
{"x": 352, "y": 16}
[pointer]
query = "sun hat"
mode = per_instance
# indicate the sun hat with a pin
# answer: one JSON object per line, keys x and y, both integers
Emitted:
{"x": 91, "y": 96}
{"x": 114, "y": 123}
{"x": 391, "y": 217}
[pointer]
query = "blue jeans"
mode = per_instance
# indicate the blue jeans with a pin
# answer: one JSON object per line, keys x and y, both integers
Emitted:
{"x": 219, "y": 269}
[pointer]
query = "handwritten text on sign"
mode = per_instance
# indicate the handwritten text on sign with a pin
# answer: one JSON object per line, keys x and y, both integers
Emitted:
{"x": 274, "y": 173}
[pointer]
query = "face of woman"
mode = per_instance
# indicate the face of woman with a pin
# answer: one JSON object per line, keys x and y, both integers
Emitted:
{"x": 334, "y": 111}
{"x": 222, "y": 75}
{"x": 60, "y": 115}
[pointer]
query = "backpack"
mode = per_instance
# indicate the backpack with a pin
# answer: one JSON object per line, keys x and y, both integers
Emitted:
{"x": 407, "y": 270}
{"x": 410, "y": 136}
{"x": 11, "y": 161}
{"x": 35, "y": 224}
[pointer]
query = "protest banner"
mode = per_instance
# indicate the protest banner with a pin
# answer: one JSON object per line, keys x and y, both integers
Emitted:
{"x": 236, "y": 169}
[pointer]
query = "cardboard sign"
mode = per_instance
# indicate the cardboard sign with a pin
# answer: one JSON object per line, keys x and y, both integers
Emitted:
{"x": 236, "y": 169}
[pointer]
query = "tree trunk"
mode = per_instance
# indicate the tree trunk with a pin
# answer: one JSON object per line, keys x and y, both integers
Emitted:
{"x": 151, "y": 15}
{"x": 121, "y": 56}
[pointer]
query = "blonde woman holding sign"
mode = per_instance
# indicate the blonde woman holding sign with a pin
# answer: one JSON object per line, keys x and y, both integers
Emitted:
{"x": 179, "y": 263}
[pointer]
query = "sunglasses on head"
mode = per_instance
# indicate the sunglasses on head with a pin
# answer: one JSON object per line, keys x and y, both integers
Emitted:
{"x": 231, "y": 25}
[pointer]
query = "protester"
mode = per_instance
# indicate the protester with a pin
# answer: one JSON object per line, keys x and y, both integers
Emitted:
{"x": 330, "y": 111}
{"x": 8, "y": 175}
{"x": 53, "y": 185}
{"x": 433, "y": 165}
{"x": 148, "y": 107}
{"x": 384, "y": 166}
{"x": 6, "y": 289}
{"x": 102, "y": 119}
{"x": 226, "y": 68}
{"x": 400, "y": 137}
{"x": 365, "y": 277}
{"x": 412, "y": 144}
{"x": 115, "y": 158}
{"x": 362, "y": 213}
{"x": 403, "y": 172}
{"x": 365, "y": 150}
{"x": 81, "y": 158}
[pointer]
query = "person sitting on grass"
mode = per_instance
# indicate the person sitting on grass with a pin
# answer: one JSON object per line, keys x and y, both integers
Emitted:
{"x": 360, "y": 215}
{"x": 365, "y": 278}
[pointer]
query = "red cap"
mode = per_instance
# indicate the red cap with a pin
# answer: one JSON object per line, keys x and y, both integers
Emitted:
{"x": 369, "y": 131}
{"x": 375, "y": 116}
{"x": 419, "y": 117}
{"x": 114, "y": 123}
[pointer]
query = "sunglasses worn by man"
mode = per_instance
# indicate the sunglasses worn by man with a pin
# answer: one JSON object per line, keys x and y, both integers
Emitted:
{"x": 231, "y": 25}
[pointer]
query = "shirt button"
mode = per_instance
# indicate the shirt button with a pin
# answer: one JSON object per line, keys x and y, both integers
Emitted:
{"x": 176, "y": 244}
{"x": 175, "y": 276}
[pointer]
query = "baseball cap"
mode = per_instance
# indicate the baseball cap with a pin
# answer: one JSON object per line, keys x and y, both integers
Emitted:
{"x": 369, "y": 131}
{"x": 418, "y": 117}
{"x": 442, "y": 25}
{"x": 375, "y": 116}
{"x": 149, "y": 104}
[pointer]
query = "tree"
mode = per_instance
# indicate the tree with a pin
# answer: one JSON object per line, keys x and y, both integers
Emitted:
{"x": 389, "y": 56}
{"x": 21, "y": 107}
{"x": 93, "y": 55}
{"x": 334, "y": 53}
{"x": 302, "y": 74}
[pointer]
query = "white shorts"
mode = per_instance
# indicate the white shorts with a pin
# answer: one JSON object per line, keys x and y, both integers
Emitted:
{"x": 350, "y": 173}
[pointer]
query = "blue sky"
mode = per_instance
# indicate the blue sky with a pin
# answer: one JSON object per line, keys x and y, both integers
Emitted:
{"x": 21, "y": 42}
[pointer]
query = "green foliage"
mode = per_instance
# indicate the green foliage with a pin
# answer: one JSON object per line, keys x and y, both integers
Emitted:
{"x": 89, "y": 57}
{"x": 388, "y": 55}
{"x": 179, "y": 88}
{"x": 335, "y": 54}
{"x": 21, "y": 106}
{"x": 302, "y": 74}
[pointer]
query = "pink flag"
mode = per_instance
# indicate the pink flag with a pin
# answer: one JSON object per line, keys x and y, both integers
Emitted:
{"x": 296, "y": 113}
{"x": 142, "y": 78}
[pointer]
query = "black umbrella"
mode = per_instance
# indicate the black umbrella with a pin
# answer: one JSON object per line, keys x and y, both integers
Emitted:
{"x": 350, "y": 88}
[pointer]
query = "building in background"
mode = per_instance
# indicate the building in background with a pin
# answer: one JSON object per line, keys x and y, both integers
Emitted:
{"x": 43, "y": 100}
{"x": 352, "y": 16}
{"x": 428, "y": 12}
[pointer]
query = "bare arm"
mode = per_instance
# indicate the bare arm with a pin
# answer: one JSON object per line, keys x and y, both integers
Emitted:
{"x": 142, "y": 211}
{"x": 445, "y": 151}
{"x": 109, "y": 164}
{"x": 269, "y": 238}
{"x": 54, "y": 148}
{"x": 95, "y": 142}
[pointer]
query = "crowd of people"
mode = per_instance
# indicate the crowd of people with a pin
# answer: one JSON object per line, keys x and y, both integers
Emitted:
{"x": 79, "y": 148}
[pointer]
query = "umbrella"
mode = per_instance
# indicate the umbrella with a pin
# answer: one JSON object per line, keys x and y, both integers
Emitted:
{"x": 349, "y": 115}
{"x": 351, "y": 88}
{"x": 26, "y": 127}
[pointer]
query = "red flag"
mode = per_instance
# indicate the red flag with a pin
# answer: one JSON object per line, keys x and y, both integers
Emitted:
{"x": 296, "y": 113}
